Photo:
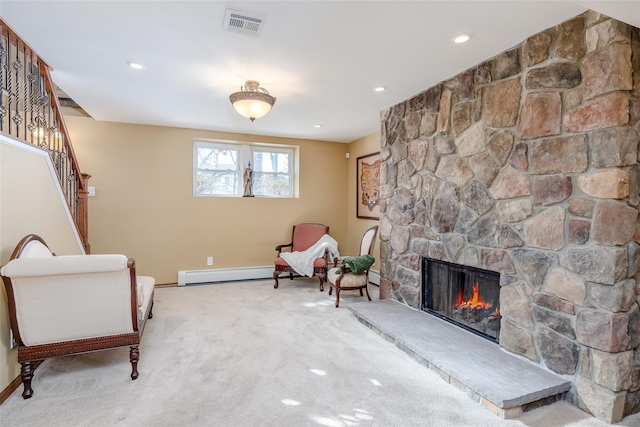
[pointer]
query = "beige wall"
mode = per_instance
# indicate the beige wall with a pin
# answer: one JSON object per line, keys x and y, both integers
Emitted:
{"x": 144, "y": 207}
{"x": 357, "y": 226}
{"x": 30, "y": 204}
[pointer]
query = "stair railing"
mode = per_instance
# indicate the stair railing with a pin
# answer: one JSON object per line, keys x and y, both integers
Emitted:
{"x": 30, "y": 112}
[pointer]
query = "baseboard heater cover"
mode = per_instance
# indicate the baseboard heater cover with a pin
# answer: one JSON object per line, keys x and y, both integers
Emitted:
{"x": 188, "y": 277}
{"x": 374, "y": 277}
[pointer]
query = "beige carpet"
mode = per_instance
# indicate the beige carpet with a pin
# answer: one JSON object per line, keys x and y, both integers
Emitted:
{"x": 245, "y": 354}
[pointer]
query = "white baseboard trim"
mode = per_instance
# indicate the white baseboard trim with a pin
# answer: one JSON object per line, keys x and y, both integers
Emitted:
{"x": 374, "y": 277}
{"x": 188, "y": 277}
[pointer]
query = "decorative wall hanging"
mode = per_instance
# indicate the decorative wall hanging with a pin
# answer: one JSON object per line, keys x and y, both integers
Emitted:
{"x": 368, "y": 186}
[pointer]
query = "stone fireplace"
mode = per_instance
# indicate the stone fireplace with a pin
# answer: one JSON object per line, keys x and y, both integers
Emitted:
{"x": 465, "y": 296}
{"x": 527, "y": 165}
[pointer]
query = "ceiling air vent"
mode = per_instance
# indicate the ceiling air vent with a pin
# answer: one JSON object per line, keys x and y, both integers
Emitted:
{"x": 243, "y": 23}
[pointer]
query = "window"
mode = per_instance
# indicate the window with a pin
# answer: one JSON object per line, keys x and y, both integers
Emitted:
{"x": 218, "y": 169}
{"x": 272, "y": 171}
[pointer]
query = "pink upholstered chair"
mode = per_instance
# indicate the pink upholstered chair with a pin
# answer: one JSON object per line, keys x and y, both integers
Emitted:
{"x": 343, "y": 280}
{"x": 303, "y": 237}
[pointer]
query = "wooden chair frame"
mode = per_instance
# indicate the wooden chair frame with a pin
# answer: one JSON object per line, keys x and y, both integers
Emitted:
{"x": 319, "y": 272}
{"x": 337, "y": 283}
{"x": 30, "y": 356}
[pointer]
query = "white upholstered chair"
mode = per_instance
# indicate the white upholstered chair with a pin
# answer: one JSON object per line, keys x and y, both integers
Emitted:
{"x": 64, "y": 305}
{"x": 341, "y": 279}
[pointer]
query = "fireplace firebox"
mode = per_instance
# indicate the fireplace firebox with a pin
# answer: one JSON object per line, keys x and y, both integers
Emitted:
{"x": 466, "y": 296}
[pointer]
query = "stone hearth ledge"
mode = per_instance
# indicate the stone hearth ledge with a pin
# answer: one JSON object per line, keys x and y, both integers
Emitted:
{"x": 505, "y": 384}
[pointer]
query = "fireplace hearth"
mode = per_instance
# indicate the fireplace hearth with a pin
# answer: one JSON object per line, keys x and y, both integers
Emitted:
{"x": 465, "y": 296}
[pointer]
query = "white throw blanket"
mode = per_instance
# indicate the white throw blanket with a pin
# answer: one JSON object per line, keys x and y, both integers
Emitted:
{"x": 302, "y": 262}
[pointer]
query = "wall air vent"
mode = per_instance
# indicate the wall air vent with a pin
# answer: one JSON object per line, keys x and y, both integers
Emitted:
{"x": 243, "y": 23}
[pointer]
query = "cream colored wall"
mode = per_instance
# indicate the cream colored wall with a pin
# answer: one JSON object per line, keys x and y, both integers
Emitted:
{"x": 357, "y": 226}
{"x": 30, "y": 204}
{"x": 144, "y": 207}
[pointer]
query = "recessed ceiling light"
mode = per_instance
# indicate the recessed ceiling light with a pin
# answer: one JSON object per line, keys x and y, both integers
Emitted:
{"x": 135, "y": 65}
{"x": 317, "y": 126}
{"x": 462, "y": 38}
{"x": 380, "y": 89}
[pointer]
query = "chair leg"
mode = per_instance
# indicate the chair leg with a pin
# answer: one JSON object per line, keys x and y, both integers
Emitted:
{"x": 134, "y": 356}
{"x": 330, "y": 290}
{"x": 26, "y": 372}
{"x": 151, "y": 311}
{"x": 321, "y": 278}
{"x": 361, "y": 294}
{"x": 275, "y": 277}
{"x": 366, "y": 288}
{"x": 337, "y": 296}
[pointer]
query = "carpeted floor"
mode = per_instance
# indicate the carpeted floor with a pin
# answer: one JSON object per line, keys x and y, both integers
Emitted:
{"x": 245, "y": 354}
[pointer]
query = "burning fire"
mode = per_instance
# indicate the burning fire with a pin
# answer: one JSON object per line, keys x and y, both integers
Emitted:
{"x": 476, "y": 302}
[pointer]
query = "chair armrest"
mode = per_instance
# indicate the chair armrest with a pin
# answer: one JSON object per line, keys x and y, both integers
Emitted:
{"x": 280, "y": 247}
{"x": 338, "y": 259}
{"x": 343, "y": 269}
{"x": 342, "y": 273}
{"x": 62, "y": 265}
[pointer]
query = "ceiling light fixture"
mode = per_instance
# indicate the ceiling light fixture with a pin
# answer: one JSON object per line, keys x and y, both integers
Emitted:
{"x": 380, "y": 89}
{"x": 135, "y": 65}
{"x": 462, "y": 38}
{"x": 317, "y": 126}
{"x": 252, "y": 101}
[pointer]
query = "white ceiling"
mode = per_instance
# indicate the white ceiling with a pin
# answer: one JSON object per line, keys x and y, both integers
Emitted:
{"x": 320, "y": 59}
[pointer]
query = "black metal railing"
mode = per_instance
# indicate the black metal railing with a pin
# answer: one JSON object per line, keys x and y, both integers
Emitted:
{"x": 30, "y": 112}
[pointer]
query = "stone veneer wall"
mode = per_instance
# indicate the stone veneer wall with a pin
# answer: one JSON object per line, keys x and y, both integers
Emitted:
{"x": 527, "y": 164}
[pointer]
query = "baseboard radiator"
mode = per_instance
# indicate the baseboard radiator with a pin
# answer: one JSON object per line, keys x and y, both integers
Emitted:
{"x": 189, "y": 277}
{"x": 374, "y": 277}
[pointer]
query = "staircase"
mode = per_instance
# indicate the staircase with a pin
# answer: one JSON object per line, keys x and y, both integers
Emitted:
{"x": 30, "y": 113}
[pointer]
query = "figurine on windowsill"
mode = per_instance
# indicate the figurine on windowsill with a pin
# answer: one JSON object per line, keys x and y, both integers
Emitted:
{"x": 248, "y": 181}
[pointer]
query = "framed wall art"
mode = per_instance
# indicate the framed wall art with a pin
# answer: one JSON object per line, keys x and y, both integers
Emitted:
{"x": 368, "y": 186}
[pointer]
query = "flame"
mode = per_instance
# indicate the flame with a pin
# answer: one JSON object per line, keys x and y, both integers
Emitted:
{"x": 475, "y": 301}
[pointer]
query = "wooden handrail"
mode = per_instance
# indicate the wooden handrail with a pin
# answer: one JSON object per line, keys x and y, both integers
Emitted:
{"x": 7, "y": 30}
{"x": 55, "y": 105}
{"x": 30, "y": 112}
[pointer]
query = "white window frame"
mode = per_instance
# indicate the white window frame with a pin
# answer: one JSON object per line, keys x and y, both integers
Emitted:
{"x": 218, "y": 145}
{"x": 259, "y": 148}
{"x": 245, "y": 154}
